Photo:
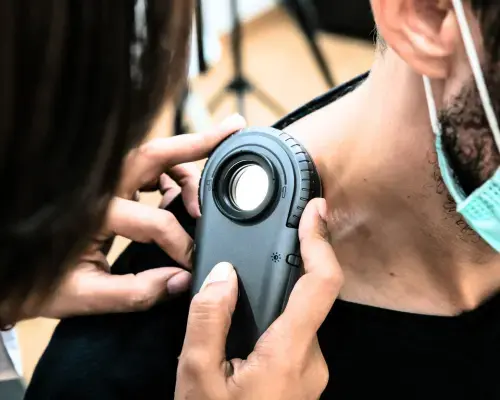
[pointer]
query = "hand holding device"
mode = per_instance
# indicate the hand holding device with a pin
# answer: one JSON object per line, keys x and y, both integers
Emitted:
{"x": 253, "y": 191}
{"x": 165, "y": 164}
{"x": 287, "y": 362}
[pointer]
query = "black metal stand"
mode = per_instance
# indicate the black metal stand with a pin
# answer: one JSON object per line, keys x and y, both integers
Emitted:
{"x": 306, "y": 17}
{"x": 304, "y": 14}
{"x": 179, "y": 127}
{"x": 240, "y": 85}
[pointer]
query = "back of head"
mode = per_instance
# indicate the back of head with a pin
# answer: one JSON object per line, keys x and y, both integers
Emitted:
{"x": 80, "y": 84}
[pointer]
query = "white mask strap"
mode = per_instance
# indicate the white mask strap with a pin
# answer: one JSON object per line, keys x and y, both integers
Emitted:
{"x": 436, "y": 126}
{"x": 476, "y": 70}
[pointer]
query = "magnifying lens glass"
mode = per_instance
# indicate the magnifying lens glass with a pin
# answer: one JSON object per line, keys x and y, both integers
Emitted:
{"x": 248, "y": 187}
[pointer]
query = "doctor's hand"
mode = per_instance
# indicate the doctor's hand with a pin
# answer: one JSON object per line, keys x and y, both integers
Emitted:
{"x": 287, "y": 362}
{"x": 164, "y": 164}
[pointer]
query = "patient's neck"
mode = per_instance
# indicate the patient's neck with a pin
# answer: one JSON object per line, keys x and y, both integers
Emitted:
{"x": 393, "y": 227}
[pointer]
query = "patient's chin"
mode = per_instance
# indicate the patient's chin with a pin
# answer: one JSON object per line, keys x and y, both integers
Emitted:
{"x": 466, "y": 134}
{"x": 472, "y": 154}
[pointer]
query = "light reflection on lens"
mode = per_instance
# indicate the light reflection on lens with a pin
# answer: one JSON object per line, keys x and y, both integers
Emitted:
{"x": 248, "y": 187}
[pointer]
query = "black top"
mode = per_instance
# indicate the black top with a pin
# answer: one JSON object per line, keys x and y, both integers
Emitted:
{"x": 12, "y": 389}
{"x": 370, "y": 352}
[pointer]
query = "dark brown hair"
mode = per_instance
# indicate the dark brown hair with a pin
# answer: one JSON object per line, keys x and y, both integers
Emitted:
{"x": 80, "y": 84}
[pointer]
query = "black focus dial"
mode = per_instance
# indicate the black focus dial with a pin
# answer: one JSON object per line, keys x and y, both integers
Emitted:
{"x": 307, "y": 181}
{"x": 309, "y": 184}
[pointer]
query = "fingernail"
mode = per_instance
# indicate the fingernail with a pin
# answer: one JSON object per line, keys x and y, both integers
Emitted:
{"x": 179, "y": 283}
{"x": 234, "y": 122}
{"x": 220, "y": 273}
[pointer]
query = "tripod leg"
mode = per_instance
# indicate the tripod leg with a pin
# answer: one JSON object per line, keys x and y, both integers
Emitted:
{"x": 269, "y": 102}
{"x": 236, "y": 44}
{"x": 306, "y": 18}
{"x": 215, "y": 102}
{"x": 202, "y": 62}
{"x": 239, "y": 85}
{"x": 179, "y": 113}
{"x": 240, "y": 99}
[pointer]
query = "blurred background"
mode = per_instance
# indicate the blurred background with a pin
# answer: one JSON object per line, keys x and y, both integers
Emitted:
{"x": 280, "y": 54}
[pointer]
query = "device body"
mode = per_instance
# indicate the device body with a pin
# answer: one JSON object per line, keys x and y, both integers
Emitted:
{"x": 261, "y": 243}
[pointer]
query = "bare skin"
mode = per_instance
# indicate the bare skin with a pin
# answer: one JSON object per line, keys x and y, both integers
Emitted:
{"x": 397, "y": 238}
{"x": 387, "y": 234}
{"x": 396, "y": 235}
{"x": 166, "y": 164}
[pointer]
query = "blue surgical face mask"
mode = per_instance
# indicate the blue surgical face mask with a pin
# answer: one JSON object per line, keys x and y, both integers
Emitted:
{"x": 481, "y": 210}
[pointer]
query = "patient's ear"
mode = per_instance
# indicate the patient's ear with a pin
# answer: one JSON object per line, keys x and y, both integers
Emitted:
{"x": 424, "y": 33}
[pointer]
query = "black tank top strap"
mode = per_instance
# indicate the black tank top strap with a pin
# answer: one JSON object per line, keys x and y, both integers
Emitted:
{"x": 320, "y": 101}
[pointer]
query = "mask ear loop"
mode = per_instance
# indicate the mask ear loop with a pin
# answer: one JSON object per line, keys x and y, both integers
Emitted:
{"x": 476, "y": 70}
{"x": 446, "y": 172}
{"x": 436, "y": 126}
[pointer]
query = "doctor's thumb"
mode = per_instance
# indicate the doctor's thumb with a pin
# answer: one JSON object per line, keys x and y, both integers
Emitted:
{"x": 313, "y": 222}
{"x": 317, "y": 253}
{"x": 211, "y": 312}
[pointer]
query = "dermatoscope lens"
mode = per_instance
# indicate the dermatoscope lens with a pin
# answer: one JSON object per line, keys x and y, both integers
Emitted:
{"x": 248, "y": 187}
